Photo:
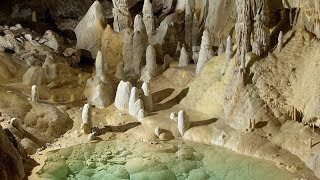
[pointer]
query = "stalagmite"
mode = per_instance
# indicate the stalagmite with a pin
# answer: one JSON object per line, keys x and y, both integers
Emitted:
{"x": 120, "y": 74}
{"x": 34, "y": 17}
{"x": 189, "y": 9}
{"x": 135, "y": 108}
{"x": 280, "y": 42}
{"x": 178, "y": 49}
{"x": 99, "y": 90}
{"x": 184, "y": 59}
{"x": 229, "y": 53}
{"x": 157, "y": 131}
{"x": 148, "y": 17}
{"x": 166, "y": 61}
{"x": 206, "y": 51}
{"x": 173, "y": 116}
{"x": 183, "y": 122}
{"x": 134, "y": 96}
{"x": 101, "y": 67}
{"x": 121, "y": 14}
{"x": 127, "y": 50}
{"x": 123, "y": 95}
{"x": 90, "y": 29}
{"x": 150, "y": 69}
{"x": 221, "y": 49}
{"x": 34, "y": 93}
{"x": 140, "y": 41}
{"x": 147, "y": 97}
{"x": 141, "y": 114}
{"x": 86, "y": 125}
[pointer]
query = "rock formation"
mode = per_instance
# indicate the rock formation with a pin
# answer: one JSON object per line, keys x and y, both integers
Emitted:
{"x": 90, "y": 28}
{"x": 140, "y": 41}
{"x": 34, "y": 93}
{"x": 280, "y": 41}
{"x": 99, "y": 90}
{"x": 184, "y": 59}
{"x": 220, "y": 50}
{"x": 150, "y": 69}
{"x": 141, "y": 115}
{"x": 148, "y": 17}
{"x": 127, "y": 49}
{"x": 206, "y": 51}
{"x": 86, "y": 125}
{"x": 183, "y": 122}
{"x": 147, "y": 97}
{"x": 121, "y": 14}
{"x": 229, "y": 53}
{"x": 134, "y": 96}
{"x": 123, "y": 95}
{"x": 135, "y": 108}
{"x": 189, "y": 10}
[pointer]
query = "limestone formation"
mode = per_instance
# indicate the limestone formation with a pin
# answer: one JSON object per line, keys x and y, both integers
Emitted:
{"x": 229, "y": 53}
{"x": 206, "y": 51}
{"x": 139, "y": 51}
{"x": 135, "y": 108}
{"x": 121, "y": 14}
{"x": 34, "y": 17}
{"x": 167, "y": 60}
{"x": 157, "y": 131}
{"x": 184, "y": 59}
{"x": 99, "y": 90}
{"x": 101, "y": 68}
{"x": 195, "y": 32}
{"x": 127, "y": 49}
{"x": 138, "y": 24}
{"x": 173, "y": 116}
{"x": 134, "y": 96}
{"x": 280, "y": 42}
{"x": 86, "y": 125}
{"x": 147, "y": 97}
{"x": 141, "y": 114}
{"x": 189, "y": 10}
{"x": 90, "y": 29}
{"x": 120, "y": 74}
{"x": 261, "y": 39}
{"x": 148, "y": 17}
{"x": 183, "y": 122}
{"x": 123, "y": 95}
{"x": 34, "y": 93}
{"x": 221, "y": 49}
{"x": 150, "y": 69}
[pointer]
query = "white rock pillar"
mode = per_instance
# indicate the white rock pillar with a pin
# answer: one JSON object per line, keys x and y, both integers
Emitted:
{"x": 183, "y": 122}
{"x": 86, "y": 125}
{"x": 206, "y": 51}
{"x": 147, "y": 97}
{"x": 134, "y": 96}
{"x": 148, "y": 17}
{"x": 184, "y": 59}
{"x": 34, "y": 93}
{"x": 123, "y": 95}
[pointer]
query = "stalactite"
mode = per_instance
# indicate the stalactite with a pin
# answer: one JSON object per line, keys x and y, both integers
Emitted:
{"x": 189, "y": 9}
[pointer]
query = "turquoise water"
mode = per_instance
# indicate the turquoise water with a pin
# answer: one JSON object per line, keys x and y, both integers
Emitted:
{"x": 131, "y": 159}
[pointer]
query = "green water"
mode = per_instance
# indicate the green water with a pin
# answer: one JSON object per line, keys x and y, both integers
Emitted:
{"x": 130, "y": 159}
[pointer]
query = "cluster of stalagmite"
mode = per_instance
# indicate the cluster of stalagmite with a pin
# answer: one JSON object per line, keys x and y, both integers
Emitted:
{"x": 253, "y": 18}
{"x": 148, "y": 17}
{"x": 261, "y": 39}
{"x": 121, "y": 14}
{"x": 206, "y": 51}
{"x": 135, "y": 103}
{"x": 86, "y": 126}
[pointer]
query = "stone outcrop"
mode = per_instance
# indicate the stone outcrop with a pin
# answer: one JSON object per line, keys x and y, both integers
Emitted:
{"x": 90, "y": 29}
